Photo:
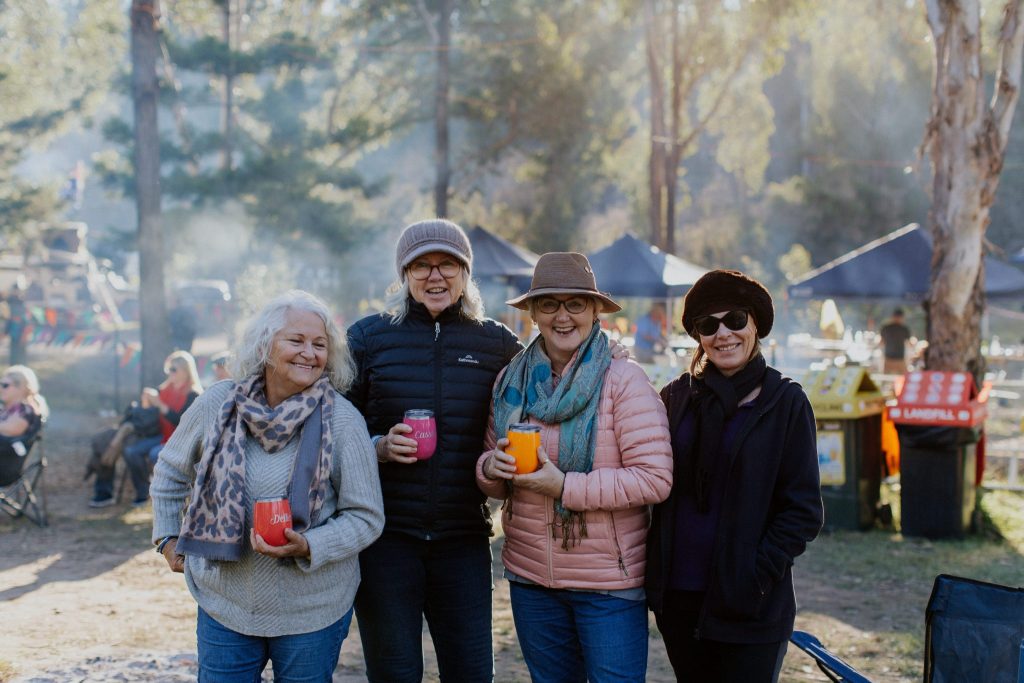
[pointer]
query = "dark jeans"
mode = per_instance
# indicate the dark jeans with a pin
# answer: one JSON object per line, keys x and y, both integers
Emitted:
{"x": 405, "y": 579}
{"x": 138, "y": 457}
{"x": 711, "y": 660}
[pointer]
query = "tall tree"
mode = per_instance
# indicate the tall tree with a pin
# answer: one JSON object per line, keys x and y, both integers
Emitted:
{"x": 696, "y": 53}
{"x": 440, "y": 35}
{"x": 145, "y": 40}
{"x": 966, "y": 140}
{"x": 74, "y": 44}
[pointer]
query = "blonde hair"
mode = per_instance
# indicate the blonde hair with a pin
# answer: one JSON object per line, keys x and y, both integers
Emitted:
{"x": 26, "y": 376}
{"x": 253, "y": 355}
{"x": 396, "y": 304}
{"x": 184, "y": 361}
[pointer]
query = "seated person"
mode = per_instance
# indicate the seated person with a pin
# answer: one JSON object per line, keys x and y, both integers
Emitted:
{"x": 24, "y": 410}
{"x": 172, "y": 398}
{"x": 23, "y": 405}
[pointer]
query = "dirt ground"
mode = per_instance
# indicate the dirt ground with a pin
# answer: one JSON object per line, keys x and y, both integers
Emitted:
{"x": 87, "y": 599}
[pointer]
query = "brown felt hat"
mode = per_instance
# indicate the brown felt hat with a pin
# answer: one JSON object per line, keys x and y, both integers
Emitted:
{"x": 723, "y": 290}
{"x": 563, "y": 272}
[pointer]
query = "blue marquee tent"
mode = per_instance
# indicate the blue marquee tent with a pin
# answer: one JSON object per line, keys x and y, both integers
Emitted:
{"x": 896, "y": 266}
{"x": 632, "y": 267}
{"x": 497, "y": 260}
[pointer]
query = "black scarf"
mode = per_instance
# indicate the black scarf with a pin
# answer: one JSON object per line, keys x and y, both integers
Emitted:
{"x": 715, "y": 399}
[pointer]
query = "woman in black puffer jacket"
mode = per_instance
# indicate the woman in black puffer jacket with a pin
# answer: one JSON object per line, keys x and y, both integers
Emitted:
{"x": 433, "y": 350}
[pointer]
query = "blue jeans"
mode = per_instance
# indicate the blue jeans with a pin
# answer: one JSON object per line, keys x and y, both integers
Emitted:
{"x": 226, "y": 656}
{"x": 138, "y": 457}
{"x": 578, "y": 636}
{"x": 405, "y": 579}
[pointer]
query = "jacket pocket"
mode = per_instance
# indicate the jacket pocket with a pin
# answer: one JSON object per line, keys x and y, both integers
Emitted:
{"x": 742, "y": 595}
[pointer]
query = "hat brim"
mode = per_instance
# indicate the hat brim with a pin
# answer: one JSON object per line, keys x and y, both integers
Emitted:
{"x": 522, "y": 301}
{"x": 433, "y": 247}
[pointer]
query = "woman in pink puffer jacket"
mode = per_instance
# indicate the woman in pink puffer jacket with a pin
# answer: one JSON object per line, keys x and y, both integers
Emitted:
{"x": 575, "y": 529}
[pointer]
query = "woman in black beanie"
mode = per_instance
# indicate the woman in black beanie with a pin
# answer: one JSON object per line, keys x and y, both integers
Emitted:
{"x": 746, "y": 498}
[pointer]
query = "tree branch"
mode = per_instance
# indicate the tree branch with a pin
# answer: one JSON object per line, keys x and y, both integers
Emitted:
{"x": 1007, "y": 89}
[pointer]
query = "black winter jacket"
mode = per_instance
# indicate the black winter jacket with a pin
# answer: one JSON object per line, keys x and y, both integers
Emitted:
{"x": 771, "y": 510}
{"x": 447, "y": 365}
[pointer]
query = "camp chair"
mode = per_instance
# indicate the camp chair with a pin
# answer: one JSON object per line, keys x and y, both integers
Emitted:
{"x": 974, "y": 631}
{"x": 832, "y": 666}
{"x": 22, "y": 463}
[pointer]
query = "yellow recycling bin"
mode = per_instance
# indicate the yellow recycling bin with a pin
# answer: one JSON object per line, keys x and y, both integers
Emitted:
{"x": 848, "y": 409}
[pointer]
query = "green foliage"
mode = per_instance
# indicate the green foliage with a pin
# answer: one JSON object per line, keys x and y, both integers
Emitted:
{"x": 73, "y": 45}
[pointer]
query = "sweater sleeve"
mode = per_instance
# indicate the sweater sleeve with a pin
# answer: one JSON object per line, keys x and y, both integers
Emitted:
{"x": 175, "y": 470}
{"x": 797, "y": 497}
{"x": 359, "y": 518}
{"x": 641, "y": 433}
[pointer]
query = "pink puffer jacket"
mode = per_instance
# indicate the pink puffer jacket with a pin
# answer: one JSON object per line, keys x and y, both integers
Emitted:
{"x": 632, "y": 470}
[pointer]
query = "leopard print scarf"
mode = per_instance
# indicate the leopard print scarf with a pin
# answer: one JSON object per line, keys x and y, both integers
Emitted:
{"x": 213, "y": 526}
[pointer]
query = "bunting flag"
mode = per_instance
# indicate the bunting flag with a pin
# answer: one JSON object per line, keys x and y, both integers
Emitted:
{"x": 130, "y": 354}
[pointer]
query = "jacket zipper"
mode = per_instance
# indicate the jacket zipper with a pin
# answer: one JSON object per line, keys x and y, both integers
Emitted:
{"x": 438, "y": 356}
{"x": 615, "y": 540}
{"x": 714, "y": 566}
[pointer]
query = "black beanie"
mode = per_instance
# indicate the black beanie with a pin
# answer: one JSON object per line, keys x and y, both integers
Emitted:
{"x": 725, "y": 290}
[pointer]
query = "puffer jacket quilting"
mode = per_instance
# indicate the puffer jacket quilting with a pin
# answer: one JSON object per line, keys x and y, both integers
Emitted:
{"x": 632, "y": 471}
{"x": 447, "y": 365}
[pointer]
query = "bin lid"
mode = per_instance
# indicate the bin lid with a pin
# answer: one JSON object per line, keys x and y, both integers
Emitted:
{"x": 847, "y": 392}
{"x": 932, "y": 397}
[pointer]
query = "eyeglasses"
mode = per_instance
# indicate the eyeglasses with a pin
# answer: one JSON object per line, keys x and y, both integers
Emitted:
{"x": 547, "y": 304}
{"x": 707, "y": 325}
{"x": 171, "y": 369}
{"x": 421, "y": 270}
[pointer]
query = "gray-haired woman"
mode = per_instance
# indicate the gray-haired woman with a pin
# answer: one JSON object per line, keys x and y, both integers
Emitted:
{"x": 283, "y": 430}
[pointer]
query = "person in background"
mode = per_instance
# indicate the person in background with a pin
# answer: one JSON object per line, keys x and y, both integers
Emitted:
{"x": 746, "y": 499}
{"x": 650, "y": 338}
{"x": 219, "y": 365}
{"x": 181, "y": 322}
{"x": 171, "y": 399}
{"x": 895, "y": 338}
{"x": 17, "y": 321}
{"x": 23, "y": 406}
{"x": 283, "y": 430}
{"x": 604, "y": 457}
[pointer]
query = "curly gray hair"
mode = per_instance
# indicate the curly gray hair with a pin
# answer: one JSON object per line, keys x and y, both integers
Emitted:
{"x": 253, "y": 353}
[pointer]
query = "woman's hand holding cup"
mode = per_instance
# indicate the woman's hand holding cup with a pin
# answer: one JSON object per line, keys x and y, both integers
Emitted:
{"x": 499, "y": 464}
{"x": 396, "y": 446}
{"x": 297, "y": 546}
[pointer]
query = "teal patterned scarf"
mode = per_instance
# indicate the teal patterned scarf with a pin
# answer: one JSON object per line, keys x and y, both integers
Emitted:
{"x": 527, "y": 390}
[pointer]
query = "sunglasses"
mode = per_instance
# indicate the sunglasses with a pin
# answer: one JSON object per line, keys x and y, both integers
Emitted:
{"x": 547, "y": 304}
{"x": 172, "y": 369}
{"x": 707, "y": 325}
{"x": 4, "y": 385}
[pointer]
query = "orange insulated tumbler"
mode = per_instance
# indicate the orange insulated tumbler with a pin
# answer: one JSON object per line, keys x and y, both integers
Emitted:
{"x": 524, "y": 440}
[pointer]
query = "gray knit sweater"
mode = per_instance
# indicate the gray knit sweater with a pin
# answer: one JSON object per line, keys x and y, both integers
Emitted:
{"x": 258, "y": 595}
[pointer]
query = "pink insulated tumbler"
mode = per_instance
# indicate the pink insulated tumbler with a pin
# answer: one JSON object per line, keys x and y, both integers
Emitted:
{"x": 424, "y": 430}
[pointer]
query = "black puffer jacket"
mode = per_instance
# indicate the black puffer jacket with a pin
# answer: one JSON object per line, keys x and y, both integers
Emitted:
{"x": 771, "y": 510}
{"x": 447, "y": 365}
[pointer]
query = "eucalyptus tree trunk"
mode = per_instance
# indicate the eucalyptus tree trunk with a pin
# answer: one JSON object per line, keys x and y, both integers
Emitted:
{"x": 966, "y": 139}
{"x": 145, "y": 48}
